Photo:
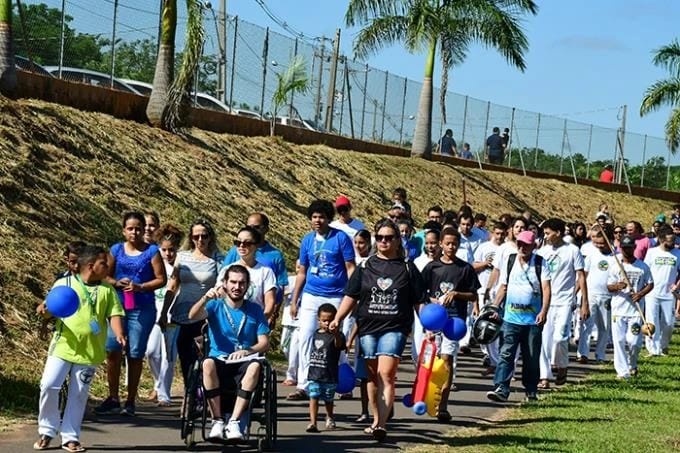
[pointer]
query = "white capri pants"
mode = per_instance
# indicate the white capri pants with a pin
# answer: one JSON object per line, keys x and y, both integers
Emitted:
{"x": 161, "y": 352}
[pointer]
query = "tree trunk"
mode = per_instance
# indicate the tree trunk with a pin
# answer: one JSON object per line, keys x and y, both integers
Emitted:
{"x": 165, "y": 66}
{"x": 422, "y": 136}
{"x": 8, "y": 71}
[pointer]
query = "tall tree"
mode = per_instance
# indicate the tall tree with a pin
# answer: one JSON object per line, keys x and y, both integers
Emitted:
{"x": 165, "y": 65}
{"x": 8, "y": 71}
{"x": 666, "y": 92}
{"x": 447, "y": 26}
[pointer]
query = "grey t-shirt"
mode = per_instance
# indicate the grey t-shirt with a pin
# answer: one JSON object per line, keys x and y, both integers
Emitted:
{"x": 196, "y": 278}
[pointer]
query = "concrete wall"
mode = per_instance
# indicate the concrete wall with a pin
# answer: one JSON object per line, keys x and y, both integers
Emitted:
{"x": 132, "y": 107}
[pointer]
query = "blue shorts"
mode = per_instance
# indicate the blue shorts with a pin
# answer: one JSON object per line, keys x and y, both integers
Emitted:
{"x": 322, "y": 391}
{"x": 387, "y": 343}
{"x": 137, "y": 325}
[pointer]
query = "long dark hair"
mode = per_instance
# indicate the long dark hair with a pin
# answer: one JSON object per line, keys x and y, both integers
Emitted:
{"x": 388, "y": 223}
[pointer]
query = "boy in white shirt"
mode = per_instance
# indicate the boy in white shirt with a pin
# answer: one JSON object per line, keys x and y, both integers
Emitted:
{"x": 626, "y": 321}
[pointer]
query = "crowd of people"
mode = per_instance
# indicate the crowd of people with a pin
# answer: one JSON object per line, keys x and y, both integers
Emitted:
{"x": 355, "y": 298}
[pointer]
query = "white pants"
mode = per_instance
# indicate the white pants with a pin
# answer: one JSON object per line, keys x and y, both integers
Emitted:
{"x": 161, "y": 352}
{"x": 624, "y": 361}
{"x": 555, "y": 340}
{"x": 417, "y": 338}
{"x": 290, "y": 344}
{"x": 660, "y": 311}
{"x": 598, "y": 318}
{"x": 308, "y": 320}
{"x": 53, "y": 377}
{"x": 576, "y": 321}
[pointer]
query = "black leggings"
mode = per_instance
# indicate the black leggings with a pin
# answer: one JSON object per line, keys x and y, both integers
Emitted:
{"x": 186, "y": 349}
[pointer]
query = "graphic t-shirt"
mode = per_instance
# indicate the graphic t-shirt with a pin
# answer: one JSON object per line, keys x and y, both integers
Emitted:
{"x": 230, "y": 329}
{"x": 73, "y": 339}
{"x": 388, "y": 291}
{"x": 563, "y": 262}
{"x": 597, "y": 266}
{"x": 324, "y": 358}
{"x": 523, "y": 293}
{"x": 664, "y": 267}
{"x": 441, "y": 278}
{"x": 639, "y": 276}
{"x": 324, "y": 257}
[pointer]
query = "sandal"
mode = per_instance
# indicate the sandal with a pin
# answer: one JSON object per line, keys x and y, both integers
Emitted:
{"x": 369, "y": 429}
{"x": 444, "y": 416}
{"x": 73, "y": 446}
{"x": 298, "y": 395}
{"x": 544, "y": 384}
{"x": 289, "y": 383}
{"x": 379, "y": 434}
{"x": 311, "y": 428}
{"x": 43, "y": 442}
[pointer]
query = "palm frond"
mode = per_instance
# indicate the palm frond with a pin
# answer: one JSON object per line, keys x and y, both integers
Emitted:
{"x": 294, "y": 81}
{"x": 673, "y": 130}
{"x": 380, "y": 32}
{"x": 668, "y": 57}
{"x": 191, "y": 56}
{"x": 661, "y": 93}
{"x": 360, "y": 11}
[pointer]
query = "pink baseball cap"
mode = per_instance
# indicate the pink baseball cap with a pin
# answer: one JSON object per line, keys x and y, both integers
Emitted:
{"x": 526, "y": 237}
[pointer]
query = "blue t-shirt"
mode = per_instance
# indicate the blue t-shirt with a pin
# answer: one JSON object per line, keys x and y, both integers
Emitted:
{"x": 137, "y": 268}
{"x": 268, "y": 256}
{"x": 495, "y": 144}
{"x": 325, "y": 262}
{"x": 223, "y": 337}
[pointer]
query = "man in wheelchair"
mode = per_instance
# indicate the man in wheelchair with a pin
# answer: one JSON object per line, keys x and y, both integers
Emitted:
{"x": 238, "y": 332}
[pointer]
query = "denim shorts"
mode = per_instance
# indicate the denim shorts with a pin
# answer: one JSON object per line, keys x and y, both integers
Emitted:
{"x": 137, "y": 325}
{"x": 322, "y": 391}
{"x": 387, "y": 343}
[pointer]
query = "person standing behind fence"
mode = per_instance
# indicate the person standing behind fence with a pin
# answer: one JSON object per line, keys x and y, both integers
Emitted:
{"x": 447, "y": 145}
{"x": 466, "y": 153}
{"x": 494, "y": 148}
{"x": 607, "y": 174}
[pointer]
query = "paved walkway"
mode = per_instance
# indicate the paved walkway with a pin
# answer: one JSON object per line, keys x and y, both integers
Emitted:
{"x": 157, "y": 430}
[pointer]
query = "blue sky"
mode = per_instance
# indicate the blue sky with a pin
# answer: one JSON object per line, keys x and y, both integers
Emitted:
{"x": 584, "y": 56}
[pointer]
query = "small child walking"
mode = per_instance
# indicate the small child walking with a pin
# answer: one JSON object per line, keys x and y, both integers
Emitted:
{"x": 290, "y": 333}
{"x": 323, "y": 367}
{"x": 77, "y": 348}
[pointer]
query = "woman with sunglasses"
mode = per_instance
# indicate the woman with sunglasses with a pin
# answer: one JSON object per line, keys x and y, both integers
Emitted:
{"x": 619, "y": 231}
{"x": 387, "y": 289}
{"x": 195, "y": 272}
{"x": 262, "y": 290}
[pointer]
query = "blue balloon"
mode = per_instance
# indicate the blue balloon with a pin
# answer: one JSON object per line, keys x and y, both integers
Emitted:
{"x": 62, "y": 301}
{"x": 346, "y": 379}
{"x": 433, "y": 317}
{"x": 455, "y": 329}
{"x": 407, "y": 400}
{"x": 420, "y": 408}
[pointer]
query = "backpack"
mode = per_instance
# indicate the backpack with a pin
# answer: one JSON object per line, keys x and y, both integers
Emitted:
{"x": 538, "y": 266}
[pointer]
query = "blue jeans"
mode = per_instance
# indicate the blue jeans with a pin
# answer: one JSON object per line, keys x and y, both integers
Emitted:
{"x": 528, "y": 339}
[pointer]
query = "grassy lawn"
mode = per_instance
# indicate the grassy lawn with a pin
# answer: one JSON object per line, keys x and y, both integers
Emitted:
{"x": 601, "y": 414}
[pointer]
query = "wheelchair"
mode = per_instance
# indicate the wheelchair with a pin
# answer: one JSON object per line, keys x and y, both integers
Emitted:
{"x": 195, "y": 414}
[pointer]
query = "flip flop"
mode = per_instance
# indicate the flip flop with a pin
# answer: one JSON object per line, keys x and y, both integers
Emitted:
{"x": 73, "y": 447}
{"x": 289, "y": 383}
{"x": 43, "y": 442}
{"x": 298, "y": 395}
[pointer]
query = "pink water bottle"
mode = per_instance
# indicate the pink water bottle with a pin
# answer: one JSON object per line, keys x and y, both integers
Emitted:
{"x": 128, "y": 300}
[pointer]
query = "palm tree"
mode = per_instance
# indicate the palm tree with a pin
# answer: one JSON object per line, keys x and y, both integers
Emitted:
{"x": 666, "y": 92}
{"x": 8, "y": 72}
{"x": 167, "y": 103}
{"x": 293, "y": 81}
{"x": 447, "y": 26}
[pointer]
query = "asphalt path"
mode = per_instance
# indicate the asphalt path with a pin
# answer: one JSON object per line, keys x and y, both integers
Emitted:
{"x": 156, "y": 429}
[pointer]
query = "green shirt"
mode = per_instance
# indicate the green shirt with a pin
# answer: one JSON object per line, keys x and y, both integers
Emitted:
{"x": 73, "y": 339}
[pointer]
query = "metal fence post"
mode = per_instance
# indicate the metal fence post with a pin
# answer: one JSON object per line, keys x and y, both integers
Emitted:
{"x": 113, "y": 41}
{"x": 590, "y": 144}
{"x": 564, "y": 136}
{"x": 292, "y": 94}
{"x": 384, "y": 108}
{"x": 538, "y": 131}
{"x": 486, "y": 125}
{"x": 317, "y": 112}
{"x": 265, "y": 57}
{"x": 644, "y": 162}
{"x": 363, "y": 104}
{"x": 465, "y": 111}
{"x": 512, "y": 132}
{"x": 233, "y": 65}
{"x": 62, "y": 38}
{"x": 403, "y": 112}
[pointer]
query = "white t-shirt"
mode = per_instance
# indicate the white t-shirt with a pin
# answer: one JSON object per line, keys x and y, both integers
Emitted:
{"x": 262, "y": 279}
{"x": 468, "y": 246}
{"x": 563, "y": 263}
{"x": 484, "y": 251}
{"x": 597, "y": 266}
{"x": 287, "y": 320}
{"x": 587, "y": 249}
{"x": 350, "y": 229}
{"x": 422, "y": 261}
{"x": 664, "y": 267}
{"x": 639, "y": 276}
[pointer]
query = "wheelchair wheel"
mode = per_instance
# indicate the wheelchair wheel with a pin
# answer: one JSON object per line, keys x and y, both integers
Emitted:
{"x": 190, "y": 407}
{"x": 270, "y": 417}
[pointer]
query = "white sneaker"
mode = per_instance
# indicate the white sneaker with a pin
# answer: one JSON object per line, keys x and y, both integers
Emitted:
{"x": 233, "y": 430}
{"x": 217, "y": 430}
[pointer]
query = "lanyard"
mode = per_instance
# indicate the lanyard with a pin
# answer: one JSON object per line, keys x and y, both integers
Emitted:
{"x": 526, "y": 273}
{"x": 319, "y": 249}
{"x": 90, "y": 301}
{"x": 232, "y": 323}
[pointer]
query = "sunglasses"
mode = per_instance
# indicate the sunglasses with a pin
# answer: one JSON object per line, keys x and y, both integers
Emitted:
{"x": 618, "y": 232}
{"x": 238, "y": 243}
{"x": 257, "y": 227}
{"x": 384, "y": 237}
{"x": 203, "y": 236}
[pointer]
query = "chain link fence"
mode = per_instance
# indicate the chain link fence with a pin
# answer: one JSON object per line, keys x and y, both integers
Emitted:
{"x": 120, "y": 37}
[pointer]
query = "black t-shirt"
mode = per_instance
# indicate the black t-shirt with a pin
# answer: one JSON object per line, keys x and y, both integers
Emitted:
{"x": 388, "y": 291}
{"x": 495, "y": 144}
{"x": 446, "y": 145}
{"x": 324, "y": 358}
{"x": 440, "y": 278}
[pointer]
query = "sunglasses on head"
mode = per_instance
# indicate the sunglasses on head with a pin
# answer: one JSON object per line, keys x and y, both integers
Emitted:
{"x": 238, "y": 243}
{"x": 196, "y": 237}
{"x": 384, "y": 237}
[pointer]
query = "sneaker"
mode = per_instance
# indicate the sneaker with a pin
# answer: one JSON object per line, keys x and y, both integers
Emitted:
{"x": 233, "y": 430}
{"x": 217, "y": 429}
{"x": 464, "y": 350}
{"x": 311, "y": 428}
{"x": 109, "y": 406}
{"x": 582, "y": 360}
{"x": 330, "y": 423}
{"x": 128, "y": 410}
{"x": 531, "y": 396}
{"x": 497, "y": 395}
